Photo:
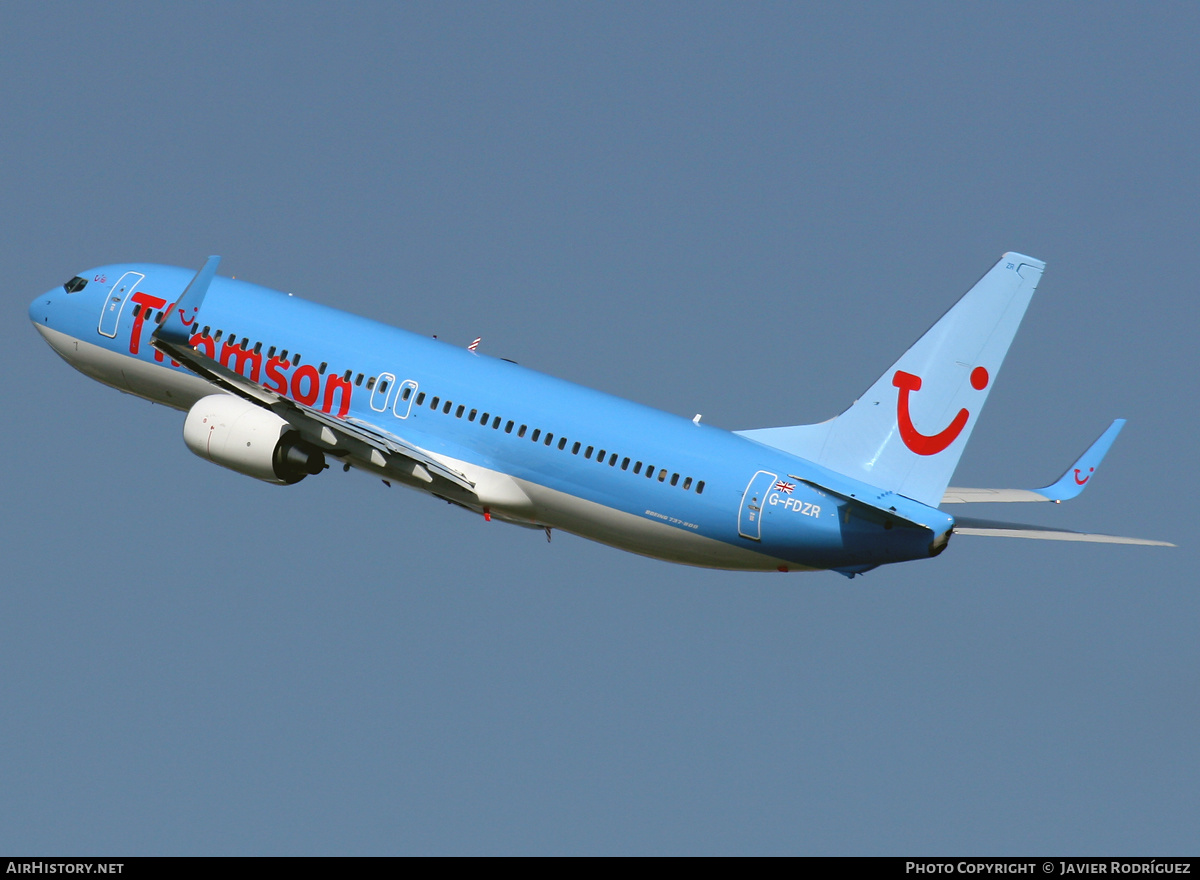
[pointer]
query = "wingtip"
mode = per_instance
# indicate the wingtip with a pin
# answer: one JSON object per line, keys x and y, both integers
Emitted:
{"x": 1016, "y": 257}
{"x": 1077, "y": 477}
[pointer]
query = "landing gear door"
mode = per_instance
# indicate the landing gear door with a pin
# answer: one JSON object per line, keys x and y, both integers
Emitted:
{"x": 750, "y": 516}
{"x": 114, "y": 303}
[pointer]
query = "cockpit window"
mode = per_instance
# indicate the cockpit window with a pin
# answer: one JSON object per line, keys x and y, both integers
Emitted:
{"x": 75, "y": 285}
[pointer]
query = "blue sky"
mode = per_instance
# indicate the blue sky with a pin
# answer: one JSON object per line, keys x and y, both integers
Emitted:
{"x": 742, "y": 210}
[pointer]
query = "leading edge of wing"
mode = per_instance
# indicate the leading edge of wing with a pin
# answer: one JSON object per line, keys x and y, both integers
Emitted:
{"x": 353, "y": 437}
{"x": 996, "y": 529}
{"x": 1072, "y": 482}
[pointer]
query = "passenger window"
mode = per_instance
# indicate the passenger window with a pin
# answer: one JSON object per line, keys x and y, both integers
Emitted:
{"x": 137, "y": 309}
{"x": 508, "y": 427}
{"x": 346, "y": 375}
{"x": 562, "y": 443}
{"x": 296, "y": 359}
{"x": 589, "y": 452}
{"x": 612, "y": 460}
{"x": 258, "y": 348}
{"x": 625, "y": 464}
{"x": 600, "y": 456}
{"x": 687, "y": 482}
{"x": 271, "y": 352}
{"x": 521, "y": 433}
{"x": 321, "y": 369}
{"x": 433, "y": 404}
{"x": 637, "y": 468}
{"x": 370, "y": 383}
{"x": 405, "y": 394}
{"x": 662, "y": 475}
{"x": 674, "y": 479}
{"x": 649, "y": 471}
{"x": 537, "y": 432}
{"x": 575, "y": 448}
{"x": 471, "y": 417}
{"x": 700, "y": 488}
{"x": 549, "y": 438}
{"x": 421, "y": 399}
{"x": 446, "y": 408}
{"x": 496, "y": 423}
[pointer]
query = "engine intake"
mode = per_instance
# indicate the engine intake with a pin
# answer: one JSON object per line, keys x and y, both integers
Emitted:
{"x": 242, "y": 437}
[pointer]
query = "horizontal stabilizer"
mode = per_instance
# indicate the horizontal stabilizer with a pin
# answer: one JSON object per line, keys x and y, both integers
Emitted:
{"x": 888, "y": 507}
{"x": 1073, "y": 481}
{"x": 994, "y": 529}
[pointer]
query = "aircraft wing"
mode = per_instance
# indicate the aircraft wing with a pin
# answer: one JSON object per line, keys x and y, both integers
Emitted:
{"x": 1073, "y": 481}
{"x": 349, "y": 438}
{"x": 991, "y": 528}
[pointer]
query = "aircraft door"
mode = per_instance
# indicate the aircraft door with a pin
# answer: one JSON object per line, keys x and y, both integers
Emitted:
{"x": 381, "y": 394}
{"x": 404, "y": 399}
{"x": 750, "y": 516}
{"x": 114, "y": 303}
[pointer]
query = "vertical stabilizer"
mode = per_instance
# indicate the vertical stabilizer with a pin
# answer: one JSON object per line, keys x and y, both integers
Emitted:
{"x": 907, "y": 432}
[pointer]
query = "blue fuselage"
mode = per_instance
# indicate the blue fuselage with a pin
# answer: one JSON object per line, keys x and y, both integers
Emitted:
{"x": 594, "y": 464}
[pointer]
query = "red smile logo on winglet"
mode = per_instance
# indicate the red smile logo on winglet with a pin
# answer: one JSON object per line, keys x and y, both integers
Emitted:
{"x": 930, "y": 444}
{"x": 1079, "y": 481}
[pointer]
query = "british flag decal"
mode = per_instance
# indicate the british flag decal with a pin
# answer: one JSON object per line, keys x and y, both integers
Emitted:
{"x": 785, "y": 487}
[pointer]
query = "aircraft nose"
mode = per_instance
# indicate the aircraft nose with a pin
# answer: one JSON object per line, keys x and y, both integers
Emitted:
{"x": 57, "y": 306}
{"x": 39, "y": 309}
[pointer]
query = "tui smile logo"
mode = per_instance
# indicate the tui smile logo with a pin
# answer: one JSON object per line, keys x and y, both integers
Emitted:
{"x": 930, "y": 444}
{"x": 187, "y": 322}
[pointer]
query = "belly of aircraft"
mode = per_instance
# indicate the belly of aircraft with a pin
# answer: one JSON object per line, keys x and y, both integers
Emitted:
{"x": 643, "y": 536}
{"x": 152, "y": 381}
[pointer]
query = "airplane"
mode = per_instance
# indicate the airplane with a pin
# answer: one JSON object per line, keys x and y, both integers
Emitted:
{"x": 275, "y": 386}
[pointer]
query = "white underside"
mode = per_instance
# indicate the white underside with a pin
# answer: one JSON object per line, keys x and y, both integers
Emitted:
{"x": 162, "y": 385}
{"x": 508, "y": 498}
{"x": 644, "y": 536}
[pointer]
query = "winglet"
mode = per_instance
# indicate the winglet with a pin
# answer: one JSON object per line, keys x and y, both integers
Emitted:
{"x": 1075, "y": 479}
{"x": 1066, "y": 487}
{"x": 177, "y": 325}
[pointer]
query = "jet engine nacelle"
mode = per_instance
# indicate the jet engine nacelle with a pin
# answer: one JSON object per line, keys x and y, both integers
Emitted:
{"x": 238, "y": 435}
